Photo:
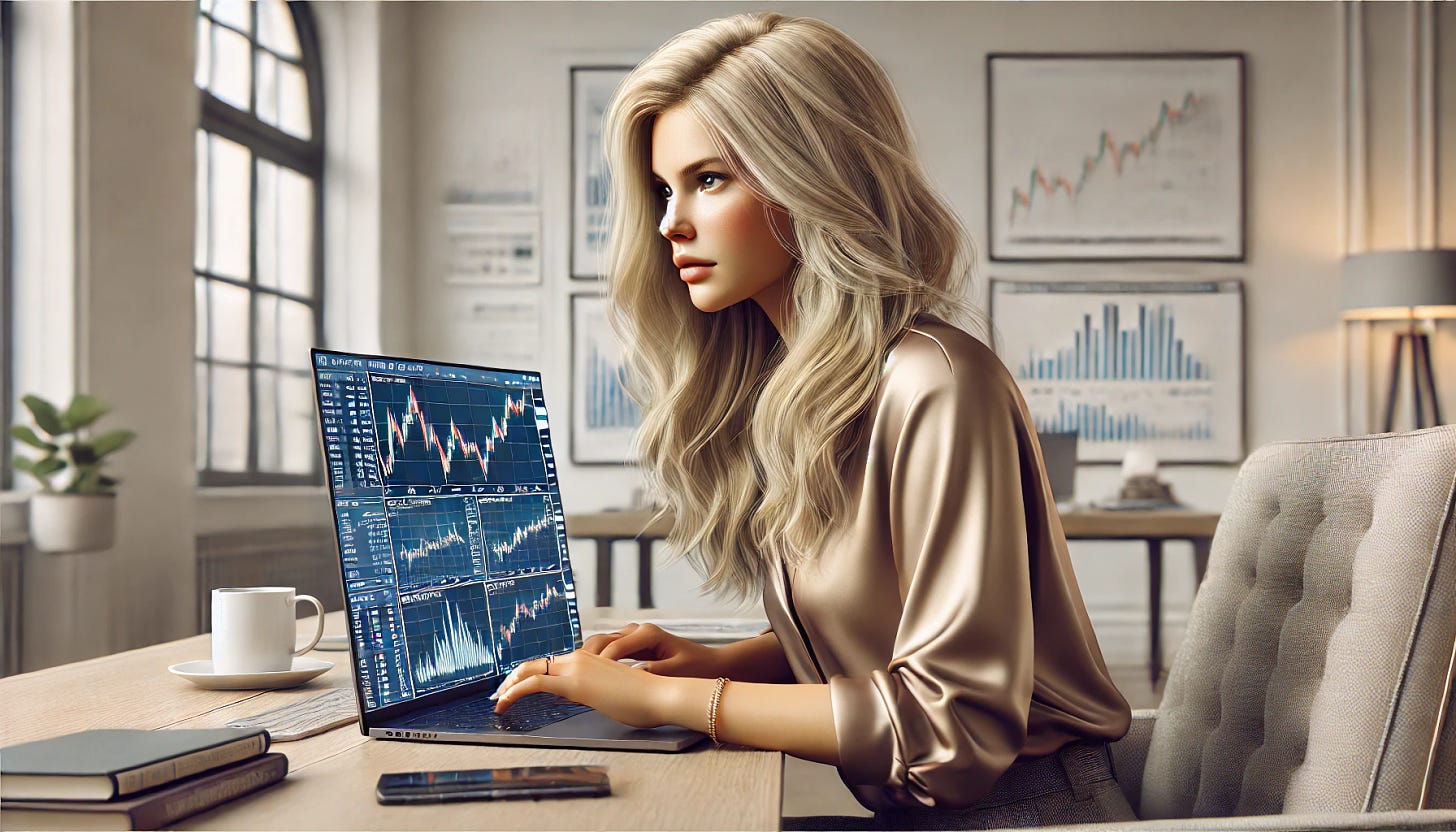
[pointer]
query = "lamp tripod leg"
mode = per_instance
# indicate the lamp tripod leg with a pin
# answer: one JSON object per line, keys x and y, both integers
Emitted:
{"x": 1397, "y": 348}
{"x": 1422, "y": 360}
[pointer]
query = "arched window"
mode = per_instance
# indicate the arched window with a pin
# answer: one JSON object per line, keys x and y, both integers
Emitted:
{"x": 259, "y": 255}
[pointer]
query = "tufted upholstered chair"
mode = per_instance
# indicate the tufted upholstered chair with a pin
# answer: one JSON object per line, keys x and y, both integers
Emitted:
{"x": 1313, "y": 687}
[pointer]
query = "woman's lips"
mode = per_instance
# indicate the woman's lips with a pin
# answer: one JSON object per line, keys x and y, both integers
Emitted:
{"x": 693, "y": 274}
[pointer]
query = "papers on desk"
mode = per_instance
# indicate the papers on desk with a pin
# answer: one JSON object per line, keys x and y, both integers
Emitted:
{"x": 714, "y": 631}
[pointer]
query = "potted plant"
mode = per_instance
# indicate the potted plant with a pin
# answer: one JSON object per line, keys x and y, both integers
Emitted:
{"x": 80, "y": 517}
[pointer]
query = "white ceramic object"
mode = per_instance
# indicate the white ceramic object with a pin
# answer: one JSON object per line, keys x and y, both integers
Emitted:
{"x": 254, "y": 627}
{"x": 72, "y": 522}
{"x": 201, "y": 673}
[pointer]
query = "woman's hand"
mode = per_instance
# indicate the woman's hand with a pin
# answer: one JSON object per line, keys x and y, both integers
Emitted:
{"x": 661, "y": 652}
{"x": 624, "y": 693}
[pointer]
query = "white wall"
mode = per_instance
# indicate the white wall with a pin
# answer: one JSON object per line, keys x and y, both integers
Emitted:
{"x": 425, "y": 96}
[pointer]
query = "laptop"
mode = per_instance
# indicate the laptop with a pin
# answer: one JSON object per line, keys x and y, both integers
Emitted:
{"x": 452, "y": 552}
{"x": 1059, "y": 452}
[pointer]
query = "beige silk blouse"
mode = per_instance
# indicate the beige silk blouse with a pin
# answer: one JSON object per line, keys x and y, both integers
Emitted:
{"x": 945, "y": 615}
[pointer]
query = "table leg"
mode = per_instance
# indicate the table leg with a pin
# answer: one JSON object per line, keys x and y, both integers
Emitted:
{"x": 644, "y": 573}
{"x": 604, "y": 572}
{"x": 1201, "y": 548}
{"x": 1155, "y": 610}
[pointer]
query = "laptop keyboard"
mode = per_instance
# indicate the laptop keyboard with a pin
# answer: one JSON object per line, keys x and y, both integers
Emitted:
{"x": 528, "y": 713}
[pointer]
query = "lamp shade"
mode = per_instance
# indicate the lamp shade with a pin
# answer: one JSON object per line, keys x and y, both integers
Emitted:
{"x": 1384, "y": 284}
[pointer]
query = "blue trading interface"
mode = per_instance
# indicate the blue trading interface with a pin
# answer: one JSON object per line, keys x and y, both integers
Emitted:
{"x": 450, "y": 522}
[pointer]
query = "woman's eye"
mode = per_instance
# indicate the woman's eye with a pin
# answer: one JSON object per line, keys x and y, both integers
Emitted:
{"x": 715, "y": 177}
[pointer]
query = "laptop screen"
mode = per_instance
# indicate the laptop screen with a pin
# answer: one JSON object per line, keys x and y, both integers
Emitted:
{"x": 450, "y": 527}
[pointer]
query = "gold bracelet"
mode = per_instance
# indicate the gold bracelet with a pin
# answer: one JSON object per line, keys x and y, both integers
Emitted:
{"x": 713, "y": 710}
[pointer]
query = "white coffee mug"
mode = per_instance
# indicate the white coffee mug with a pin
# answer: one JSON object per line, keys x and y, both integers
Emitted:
{"x": 253, "y": 628}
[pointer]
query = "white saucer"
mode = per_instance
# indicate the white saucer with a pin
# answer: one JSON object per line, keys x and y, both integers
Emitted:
{"x": 200, "y": 673}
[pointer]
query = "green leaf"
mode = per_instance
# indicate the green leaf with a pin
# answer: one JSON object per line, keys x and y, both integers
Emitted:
{"x": 23, "y": 464}
{"x": 83, "y": 410}
{"x": 45, "y": 414}
{"x": 108, "y": 483}
{"x": 46, "y": 467}
{"x": 111, "y": 441}
{"x": 83, "y": 454}
{"x": 26, "y": 435}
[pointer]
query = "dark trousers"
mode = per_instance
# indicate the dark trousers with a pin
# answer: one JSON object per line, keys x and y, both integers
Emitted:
{"x": 1073, "y": 785}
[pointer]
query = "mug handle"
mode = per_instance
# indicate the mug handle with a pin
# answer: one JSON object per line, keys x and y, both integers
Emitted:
{"x": 320, "y": 632}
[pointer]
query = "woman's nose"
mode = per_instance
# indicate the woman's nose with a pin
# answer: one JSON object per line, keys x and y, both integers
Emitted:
{"x": 673, "y": 223}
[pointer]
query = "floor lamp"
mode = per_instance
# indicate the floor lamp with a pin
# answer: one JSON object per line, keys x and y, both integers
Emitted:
{"x": 1410, "y": 286}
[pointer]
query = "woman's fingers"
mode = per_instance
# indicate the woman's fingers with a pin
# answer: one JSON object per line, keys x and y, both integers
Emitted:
{"x": 640, "y": 642}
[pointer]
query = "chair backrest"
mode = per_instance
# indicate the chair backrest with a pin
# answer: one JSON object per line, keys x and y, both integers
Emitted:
{"x": 1316, "y": 670}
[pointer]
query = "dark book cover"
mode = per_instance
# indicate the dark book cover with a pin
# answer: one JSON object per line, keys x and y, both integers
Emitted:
{"x": 153, "y": 809}
{"x": 104, "y": 764}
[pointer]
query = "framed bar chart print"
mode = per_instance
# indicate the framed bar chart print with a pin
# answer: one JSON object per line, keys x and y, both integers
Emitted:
{"x": 603, "y": 417}
{"x": 591, "y": 92}
{"x": 1155, "y": 364}
{"x": 1115, "y": 157}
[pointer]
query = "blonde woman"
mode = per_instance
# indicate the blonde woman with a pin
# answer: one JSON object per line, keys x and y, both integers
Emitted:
{"x": 785, "y": 280}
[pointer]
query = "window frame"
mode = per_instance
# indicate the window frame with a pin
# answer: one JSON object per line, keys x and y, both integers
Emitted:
{"x": 7, "y": 228}
{"x": 305, "y": 157}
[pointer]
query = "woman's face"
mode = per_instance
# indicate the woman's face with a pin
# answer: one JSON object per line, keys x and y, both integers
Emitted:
{"x": 709, "y": 217}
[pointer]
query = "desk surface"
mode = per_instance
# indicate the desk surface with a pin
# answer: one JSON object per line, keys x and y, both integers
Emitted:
{"x": 1077, "y": 524}
{"x": 330, "y": 783}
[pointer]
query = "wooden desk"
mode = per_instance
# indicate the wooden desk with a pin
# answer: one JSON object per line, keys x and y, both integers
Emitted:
{"x": 1153, "y": 527}
{"x": 330, "y": 783}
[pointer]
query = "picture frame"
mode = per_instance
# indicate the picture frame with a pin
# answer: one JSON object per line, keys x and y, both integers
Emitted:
{"x": 591, "y": 91}
{"x": 604, "y": 419}
{"x": 1116, "y": 156}
{"x": 1148, "y": 363}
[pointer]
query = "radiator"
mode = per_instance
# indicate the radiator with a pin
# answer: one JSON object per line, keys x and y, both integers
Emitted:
{"x": 304, "y": 558}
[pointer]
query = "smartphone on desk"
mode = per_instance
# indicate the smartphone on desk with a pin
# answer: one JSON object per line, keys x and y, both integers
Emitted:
{"x": 493, "y": 784}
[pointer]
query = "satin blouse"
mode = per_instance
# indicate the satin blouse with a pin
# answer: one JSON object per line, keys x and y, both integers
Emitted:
{"x": 944, "y": 615}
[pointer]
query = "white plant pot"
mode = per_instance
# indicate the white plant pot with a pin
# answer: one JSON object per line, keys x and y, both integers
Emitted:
{"x": 72, "y": 522}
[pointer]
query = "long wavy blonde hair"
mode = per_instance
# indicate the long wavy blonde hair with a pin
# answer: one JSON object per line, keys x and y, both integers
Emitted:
{"x": 745, "y": 434}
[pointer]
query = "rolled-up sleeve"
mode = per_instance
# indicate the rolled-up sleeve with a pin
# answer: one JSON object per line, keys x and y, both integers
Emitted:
{"x": 948, "y": 715}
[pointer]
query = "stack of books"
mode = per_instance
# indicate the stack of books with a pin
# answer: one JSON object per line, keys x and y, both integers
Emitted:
{"x": 131, "y": 779}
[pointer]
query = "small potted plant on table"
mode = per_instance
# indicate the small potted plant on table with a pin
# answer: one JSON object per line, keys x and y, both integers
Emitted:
{"x": 81, "y": 516}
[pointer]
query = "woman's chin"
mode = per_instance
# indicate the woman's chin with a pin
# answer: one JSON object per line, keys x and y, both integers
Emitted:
{"x": 706, "y": 300}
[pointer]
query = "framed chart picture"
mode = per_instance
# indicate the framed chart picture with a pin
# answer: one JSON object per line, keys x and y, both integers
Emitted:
{"x": 591, "y": 92}
{"x": 1154, "y": 364}
{"x": 1115, "y": 157}
{"x": 603, "y": 417}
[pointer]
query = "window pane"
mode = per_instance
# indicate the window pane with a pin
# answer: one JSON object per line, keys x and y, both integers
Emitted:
{"x": 299, "y": 423}
{"x": 205, "y": 5}
{"x": 295, "y": 233}
{"x": 200, "y": 393}
{"x": 296, "y": 333}
{"x": 267, "y": 262}
{"x": 201, "y": 316}
{"x": 275, "y": 28}
{"x": 230, "y": 322}
{"x": 199, "y": 257}
{"x": 229, "y": 418}
{"x": 203, "y": 72}
{"x": 231, "y": 67}
{"x": 268, "y": 420}
{"x": 293, "y": 101}
{"x": 267, "y": 87}
{"x": 230, "y": 193}
{"x": 267, "y": 329}
{"x": 234, "y": 13}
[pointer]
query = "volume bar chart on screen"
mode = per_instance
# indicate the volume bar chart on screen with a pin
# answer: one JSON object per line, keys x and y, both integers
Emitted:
{"x": 454, "y": 434}
{"x": 449, "y": 635}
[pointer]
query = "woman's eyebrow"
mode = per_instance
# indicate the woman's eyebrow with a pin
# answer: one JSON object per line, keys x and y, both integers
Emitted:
{"x": 690, "y": 168}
